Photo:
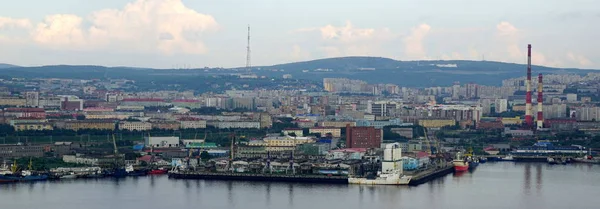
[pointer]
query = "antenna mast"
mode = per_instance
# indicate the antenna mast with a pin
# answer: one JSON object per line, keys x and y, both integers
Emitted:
{"x": 248, "y": 63}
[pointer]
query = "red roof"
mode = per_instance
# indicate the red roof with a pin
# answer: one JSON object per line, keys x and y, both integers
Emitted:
{"x": 24, "y": 110}
{"x": 422, "y": 154}
{"x": 142, "y": 100}
{"x": 186, "y": 100}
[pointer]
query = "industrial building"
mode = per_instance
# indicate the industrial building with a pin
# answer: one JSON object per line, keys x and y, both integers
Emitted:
{"x": 162, "y": 142}
{"x": 363, "y": 137}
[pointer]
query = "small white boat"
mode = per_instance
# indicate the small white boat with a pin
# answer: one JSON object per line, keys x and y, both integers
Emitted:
{"x": 69, "y": 176}
{"x": 508, "y": 158}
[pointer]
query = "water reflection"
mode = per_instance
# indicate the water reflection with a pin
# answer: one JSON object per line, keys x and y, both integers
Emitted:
{"x": 490, "y": 186}
{"x": 527, "y": 184}
{"x": 290, "y": 195}
{"x": 538, "y": 178}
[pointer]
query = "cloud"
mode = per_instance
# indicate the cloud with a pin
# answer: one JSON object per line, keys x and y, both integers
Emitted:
{"x": 349, "y": 40}
{"x": 298, "y": 53}
{"x": 578, "y": 59}
{"x": 6, "y": 22}
{"x": 413, "y": 43}
{"x": 60, "y": 30}
{"x": 506, "y": 29}
{"x": 155, "y": 26}
{"x": 347, "y": 33}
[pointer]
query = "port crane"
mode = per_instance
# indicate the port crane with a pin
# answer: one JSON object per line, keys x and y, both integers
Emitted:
{"x": 439, "y": 159}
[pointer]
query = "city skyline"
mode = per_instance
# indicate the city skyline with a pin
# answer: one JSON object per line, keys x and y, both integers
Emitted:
{"x": 176, "y": 33}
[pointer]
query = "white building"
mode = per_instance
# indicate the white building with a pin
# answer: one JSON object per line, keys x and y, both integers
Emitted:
{"x": 162, "y": 142}
{"x": 192, "y": 124}
{"x": 501, "y": 105}
{"x": 234, "y": 124}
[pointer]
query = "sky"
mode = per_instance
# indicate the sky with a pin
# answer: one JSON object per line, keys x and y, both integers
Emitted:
{"x": 213, "y": 33}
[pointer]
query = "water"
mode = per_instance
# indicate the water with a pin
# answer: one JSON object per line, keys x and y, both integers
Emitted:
{"x": 492, "y": 185}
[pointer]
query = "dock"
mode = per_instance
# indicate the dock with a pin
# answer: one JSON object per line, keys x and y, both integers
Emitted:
{"x": 261, "y": 177}
{"x": 430, "y": 174}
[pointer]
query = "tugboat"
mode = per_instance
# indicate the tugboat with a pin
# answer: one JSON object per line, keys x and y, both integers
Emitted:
{"x": 25, "y": 175}
{"x": 133, "y": 172}
{"x": 391, "y": 169}
{"x": 473, "y": 161}
{"x": 460, "y": 163}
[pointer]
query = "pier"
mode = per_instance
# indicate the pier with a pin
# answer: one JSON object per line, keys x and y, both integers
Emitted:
{"x": 430, "y": 174}
{"x": 260, "y": 177}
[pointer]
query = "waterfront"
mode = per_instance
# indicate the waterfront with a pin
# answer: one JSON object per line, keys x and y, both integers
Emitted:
{"x": 492, "y": 185}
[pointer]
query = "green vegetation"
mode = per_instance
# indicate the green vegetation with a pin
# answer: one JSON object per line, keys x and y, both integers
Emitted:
{"x": 44, "y": 163}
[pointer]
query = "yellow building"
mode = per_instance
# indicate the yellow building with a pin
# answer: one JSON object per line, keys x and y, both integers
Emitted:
{"x": 512, "y": 121}
{"x": 337, "y": 124}
{"x": 335, "y": 132}
{"x": 518, "y": 108}
{"x": 32, "y": 126}
{"x": 436, "y": 123}
{"x": 90, "y": 124}
{"x": 12, "y": 101}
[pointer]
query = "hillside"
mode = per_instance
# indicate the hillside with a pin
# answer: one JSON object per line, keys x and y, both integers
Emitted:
{"x": 2, "y": 66}
{"x": 370, "y": 69}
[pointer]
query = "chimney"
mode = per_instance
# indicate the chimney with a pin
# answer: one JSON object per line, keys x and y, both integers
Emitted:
{"x": 528, "y": 108}
{"x": 540, "y": 100}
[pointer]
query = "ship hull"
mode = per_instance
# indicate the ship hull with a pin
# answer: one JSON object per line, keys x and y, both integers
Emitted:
{"x": 460, "y": 165}
{"x": 157, "y": 172}
{"x": 405, "y": 180}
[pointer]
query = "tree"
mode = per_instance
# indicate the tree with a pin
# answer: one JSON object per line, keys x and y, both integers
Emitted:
{"x": 80, "y": 117}
{"x": 204, "y": 156}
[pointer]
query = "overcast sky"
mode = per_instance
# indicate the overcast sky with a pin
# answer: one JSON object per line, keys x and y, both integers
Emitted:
{"x": 198, "y": 33}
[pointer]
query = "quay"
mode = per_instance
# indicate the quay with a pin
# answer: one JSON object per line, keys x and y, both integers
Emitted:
{"x": 260, "y": 177}
{"x": 417, "y": 179}
{"x": 430, "y": 174}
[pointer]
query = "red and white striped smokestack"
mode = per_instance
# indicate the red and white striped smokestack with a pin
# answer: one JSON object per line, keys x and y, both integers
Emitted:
{"x": 540, "y": 100}
{"x": 528, "y": 108}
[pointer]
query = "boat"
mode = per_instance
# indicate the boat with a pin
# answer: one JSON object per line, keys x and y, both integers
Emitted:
{"x": 482, "y": 160}
{"x": 551, "y": 161}
{"x": 391, "y": 169}
{"x": 460, "y": 163}
{"x": 473, "y": 161}
{"x": 158, "y": 171}
{"x": 133, "y": 172}
{"x": 507, "y": 158}
{"x": 69, "y": 176}
{"x": 587, "y": 160}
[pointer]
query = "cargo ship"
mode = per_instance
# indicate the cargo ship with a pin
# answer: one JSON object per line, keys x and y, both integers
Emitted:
{"x": 391, "y": 169}
{"x": 460, "y": 163}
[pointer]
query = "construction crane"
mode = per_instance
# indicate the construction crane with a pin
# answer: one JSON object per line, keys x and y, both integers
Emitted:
{"x": 427, "y": 144}
{"x": 232, "y": 151}
{"x": 439, "y": 156}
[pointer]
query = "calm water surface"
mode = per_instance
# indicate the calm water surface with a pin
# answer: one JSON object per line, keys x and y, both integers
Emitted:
{"x": 492, "y": 185}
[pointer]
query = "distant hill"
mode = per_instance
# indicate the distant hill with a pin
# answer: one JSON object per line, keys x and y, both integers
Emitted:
{"x": 2, "y": 66}
{"x": 410, "y": 73}
{"x": 370, "y": 69}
